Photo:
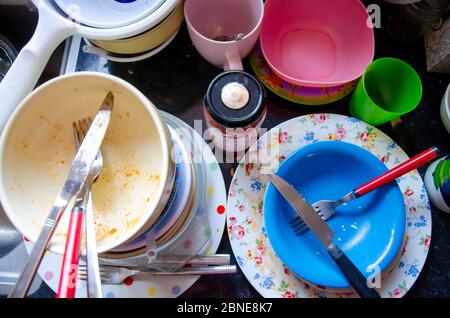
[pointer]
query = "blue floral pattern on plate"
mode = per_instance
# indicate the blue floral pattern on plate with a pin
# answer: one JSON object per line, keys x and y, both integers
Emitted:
{"x": 258, "y": 260}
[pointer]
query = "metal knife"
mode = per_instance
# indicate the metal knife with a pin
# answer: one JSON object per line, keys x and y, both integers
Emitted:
{"x": 199, "y": 260}
{"x": 324, "y": 233}
{"x": 94, "y": 284}
{"x": 75, "y": 181}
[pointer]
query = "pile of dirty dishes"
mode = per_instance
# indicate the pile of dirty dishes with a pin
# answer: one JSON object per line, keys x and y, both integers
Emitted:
{"x": 150, "y": 190}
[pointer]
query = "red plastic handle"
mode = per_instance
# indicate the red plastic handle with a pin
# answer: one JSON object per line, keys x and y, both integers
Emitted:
{"x": 398, "y": 171}
{"x": 69, "y": 269}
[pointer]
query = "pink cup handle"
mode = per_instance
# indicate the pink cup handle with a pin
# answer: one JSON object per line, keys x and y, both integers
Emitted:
{"x": 233, "y": 61}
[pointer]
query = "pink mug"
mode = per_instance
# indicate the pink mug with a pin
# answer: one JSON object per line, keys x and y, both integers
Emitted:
{"x": 210, "y": 20}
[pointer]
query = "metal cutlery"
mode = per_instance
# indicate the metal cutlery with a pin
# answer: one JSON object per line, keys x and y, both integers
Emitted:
{"x": 213, "y": 259}
{"x": 199, "y": 260}
{"x": 75, "y": 181}
{"x": 94, "y": 285}
{"x": 67, "y": 281}
{"x": 82, "y": 211}
{"x": 116, "y": 275}
{"x": 324, "y": 233}
{"x": 326, "y": 208}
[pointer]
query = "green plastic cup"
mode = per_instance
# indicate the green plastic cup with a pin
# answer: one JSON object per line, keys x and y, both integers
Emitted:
{"x": 388, "y": 89}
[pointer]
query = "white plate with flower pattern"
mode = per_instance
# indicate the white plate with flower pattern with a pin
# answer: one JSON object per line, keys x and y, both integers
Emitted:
{"x": 163, "y": 286}
{"x": 245, "y": 221}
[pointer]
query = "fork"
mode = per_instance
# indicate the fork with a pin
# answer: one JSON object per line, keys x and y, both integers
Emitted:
{"x": 199, "y": 260}
{"x": 326, "y": 208}
{"x": 94, "y": 286}
{"x": 82, "y": 207}
{"x": 116, "y": 275}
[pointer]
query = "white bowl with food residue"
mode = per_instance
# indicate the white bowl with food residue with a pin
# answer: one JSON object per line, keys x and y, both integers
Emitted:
{"x": 37, "y": 148}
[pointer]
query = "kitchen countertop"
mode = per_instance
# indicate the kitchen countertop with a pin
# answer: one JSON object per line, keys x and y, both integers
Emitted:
{"x": 175, "y": 81}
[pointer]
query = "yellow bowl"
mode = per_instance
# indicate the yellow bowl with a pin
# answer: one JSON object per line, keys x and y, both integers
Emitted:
{"x": 179, "y": 227}
{"x": 37, "y": 148}
{"x": 148, "y": 40}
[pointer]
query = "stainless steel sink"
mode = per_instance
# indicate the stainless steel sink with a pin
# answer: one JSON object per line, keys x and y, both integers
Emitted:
{"x": 17, "y": 23}
{"x": 12, "y": 256}
{"x": 9, "y": 237}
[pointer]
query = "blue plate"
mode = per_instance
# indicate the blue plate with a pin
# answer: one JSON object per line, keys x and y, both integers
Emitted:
{"x": 370, "y": 230}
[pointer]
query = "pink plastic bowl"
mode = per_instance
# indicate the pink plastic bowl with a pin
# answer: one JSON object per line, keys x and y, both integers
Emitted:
{"x": 318, "y": 43}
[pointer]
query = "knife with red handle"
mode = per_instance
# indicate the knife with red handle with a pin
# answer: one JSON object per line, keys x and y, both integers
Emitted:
{"x": 69, "y": 268}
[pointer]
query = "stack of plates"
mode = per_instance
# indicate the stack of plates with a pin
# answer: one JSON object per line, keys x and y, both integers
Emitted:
{"x": 185, "y": 200}
{"x": 179, "y": 206}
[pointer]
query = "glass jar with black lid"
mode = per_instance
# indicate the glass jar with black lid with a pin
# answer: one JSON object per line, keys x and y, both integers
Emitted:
{"x": 234, "y": 108}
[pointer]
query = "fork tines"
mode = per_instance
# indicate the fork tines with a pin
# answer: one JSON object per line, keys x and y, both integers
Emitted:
{"x": 299, "y": 226}
{"x": 80, "y": 128}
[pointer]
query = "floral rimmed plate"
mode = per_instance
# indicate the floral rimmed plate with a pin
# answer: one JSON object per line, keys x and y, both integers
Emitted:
{"x": 294, "y": 93}
{"x": 163, "y": 286}
{"x": 245, "y": 222}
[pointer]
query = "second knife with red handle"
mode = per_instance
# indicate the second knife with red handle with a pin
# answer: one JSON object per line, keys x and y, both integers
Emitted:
{"x": 69, "y": 268}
